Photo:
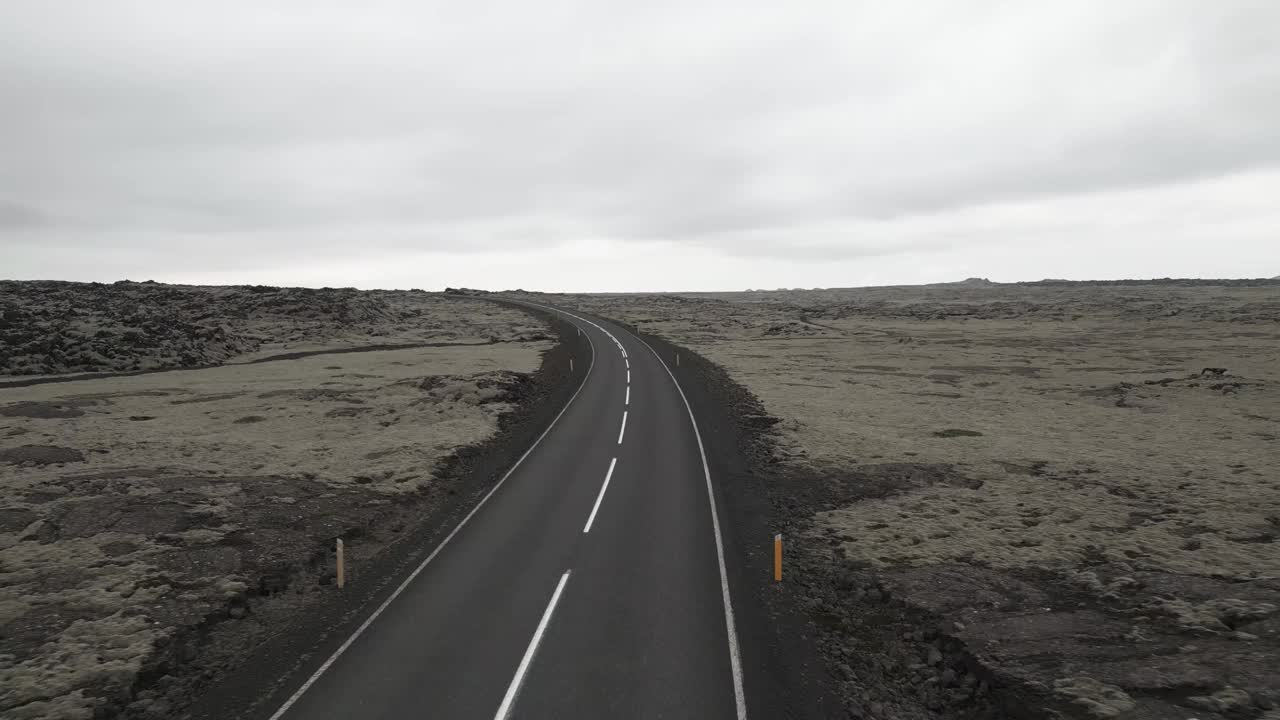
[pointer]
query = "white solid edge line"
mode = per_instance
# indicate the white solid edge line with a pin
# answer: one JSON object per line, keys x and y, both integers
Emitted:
{"x": 600, "y": 498}
{"x": 623, "y": 430}
{"x": 514, "y": 689}
{"x": 399, "y": 589}
{"x": 735, "y": 658}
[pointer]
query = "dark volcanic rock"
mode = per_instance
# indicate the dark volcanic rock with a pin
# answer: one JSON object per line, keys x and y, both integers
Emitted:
{"x": 62, "y": 327}
{"x": 40, "y": 455}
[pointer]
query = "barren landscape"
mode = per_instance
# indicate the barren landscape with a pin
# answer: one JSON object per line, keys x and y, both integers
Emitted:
{"x": 1039, "y": 500}
{"x": 1067, "y": 492}
{"x": 139, "y": 512}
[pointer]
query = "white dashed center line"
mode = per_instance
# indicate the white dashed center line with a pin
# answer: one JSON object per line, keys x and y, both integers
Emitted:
{"x": 509, "y": 699}
{"x": 735, "y": 657}
{"x": 628, "y": 400}
{"x": 599, "y": 498}
{"x": 623, "y": 430}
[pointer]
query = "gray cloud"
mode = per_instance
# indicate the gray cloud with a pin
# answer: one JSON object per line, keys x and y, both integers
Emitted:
{"x": 186, "y": 139}
{"x": 14, "y": 216}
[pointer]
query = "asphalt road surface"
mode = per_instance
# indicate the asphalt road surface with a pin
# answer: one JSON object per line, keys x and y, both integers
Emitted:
{"x": 590, "y": 583}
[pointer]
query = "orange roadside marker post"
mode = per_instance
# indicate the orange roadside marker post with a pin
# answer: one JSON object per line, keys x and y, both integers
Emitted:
{"x": 777, "y": 557}
{"x": 342, "y": 569}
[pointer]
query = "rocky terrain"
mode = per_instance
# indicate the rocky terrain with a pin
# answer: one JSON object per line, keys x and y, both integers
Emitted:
{"x": 143, "y": 518}
{"x": 62, "y": 327}
{"x": 1042, "y": 500}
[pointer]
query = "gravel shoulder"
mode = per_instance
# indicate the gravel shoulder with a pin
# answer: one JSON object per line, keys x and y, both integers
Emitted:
{"x": 1016, "y": 501}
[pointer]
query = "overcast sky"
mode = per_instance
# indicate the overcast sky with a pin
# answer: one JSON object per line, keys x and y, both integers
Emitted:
{"x": 606, "y": 145}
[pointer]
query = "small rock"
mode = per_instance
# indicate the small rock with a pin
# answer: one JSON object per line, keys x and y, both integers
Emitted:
{"x": 1226, "y": 700}
{"x": 41, "y": 531}
{"x": 947, "y": 678}
{"x": 236, "y": 612}
{"x": 959, "y": 626}
{"x": 1100, "y": 700}
{"x": 935, "y": 656}
{"x": 1125, "y": 584}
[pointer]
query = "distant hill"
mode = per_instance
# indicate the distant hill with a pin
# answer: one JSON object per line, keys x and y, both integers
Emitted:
{"x": 973, "y": 282}
{"x": 980, "y": 283}
{"x": 1178, "y": 282}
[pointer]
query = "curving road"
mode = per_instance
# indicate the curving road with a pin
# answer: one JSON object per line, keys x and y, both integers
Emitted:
{"x": 589, "y": 583}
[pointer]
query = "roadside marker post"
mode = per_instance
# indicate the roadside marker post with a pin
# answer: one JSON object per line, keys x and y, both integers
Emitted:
{"x": 777, "y": 557}
{"x": 342, "y": 566}
{"x": 677, "y": 359}
{"x": 570, "y": 366}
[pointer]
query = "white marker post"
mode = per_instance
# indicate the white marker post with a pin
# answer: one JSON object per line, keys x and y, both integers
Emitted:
{"x": 570, "y": 366}
{"x": 677, "y": 359}
{"x": 342, "y": 566}
{"x": 777, "y": 557}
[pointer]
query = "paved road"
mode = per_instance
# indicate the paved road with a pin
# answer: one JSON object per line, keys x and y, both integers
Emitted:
{"x": 589, "y": 584}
